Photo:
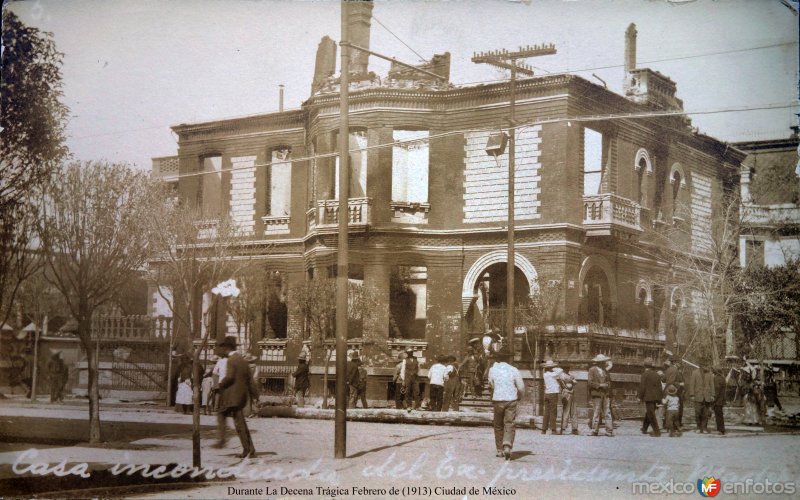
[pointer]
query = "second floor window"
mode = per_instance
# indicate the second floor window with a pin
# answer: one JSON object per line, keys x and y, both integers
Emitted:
{"x": 358, "y": 165}
{"x": 209, "y": 188}
{"x": 592, "y": 161}
{"x": 279, "y": 183}
{"x": 410, "y": 166}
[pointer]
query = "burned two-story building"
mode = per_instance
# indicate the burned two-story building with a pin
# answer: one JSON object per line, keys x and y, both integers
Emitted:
{"x": 596, "y": 174}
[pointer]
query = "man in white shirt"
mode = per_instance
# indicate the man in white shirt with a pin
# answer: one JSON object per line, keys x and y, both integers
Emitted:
{"x": 552, "y": 390}
{"x": 507, "y": 387}
{"x": 437, "y": 375}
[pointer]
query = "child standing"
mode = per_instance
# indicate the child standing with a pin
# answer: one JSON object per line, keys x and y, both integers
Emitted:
{"x": 671, "y": 406}
{"x": 184, "y": 396}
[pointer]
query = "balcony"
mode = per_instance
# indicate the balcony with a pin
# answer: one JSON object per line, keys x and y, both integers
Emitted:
{"x": 606, "y": 214}
{"x": 358, "y": 213}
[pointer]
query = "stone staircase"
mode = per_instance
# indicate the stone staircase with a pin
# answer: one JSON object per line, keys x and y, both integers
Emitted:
{"x": 475, "y": 403}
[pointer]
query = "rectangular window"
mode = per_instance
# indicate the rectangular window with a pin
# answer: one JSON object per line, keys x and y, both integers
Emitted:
{"x": 408, "y": 304}
{"x": 279, "y": 183}
{"x": 209, "y": 192}
{"x": 592, "y": 161}
{"x": 358, "y": 165}
{"x": 754, "y": 253}
{"x": 410, "y": 167}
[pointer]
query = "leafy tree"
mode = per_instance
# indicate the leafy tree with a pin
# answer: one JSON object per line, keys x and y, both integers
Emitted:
{"x": 33, "y": 118}
{"x": 770, "y": 302}
{"x": 32, "y": 125}
{"x": 94, "y": 240}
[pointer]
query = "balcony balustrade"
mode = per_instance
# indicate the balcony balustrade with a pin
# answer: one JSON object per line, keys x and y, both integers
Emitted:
{"x": 327, "y": 214}
{"x": 606, "y": 213}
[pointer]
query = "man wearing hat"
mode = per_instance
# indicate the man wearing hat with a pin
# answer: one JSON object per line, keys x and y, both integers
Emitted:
{"x": 452, "y": 386}
{"x": 235, "y": 386}
{"x": 552, "y": 389}
{"x": 651, "y": 393}
{"x": 410, "y": 386}
{"x": 599, "y": 383}
{"x": 568, "y": 412}
{"x": 507, "y": 387}
{"x": 701, "y": 390}
{"x": 399, "y": 380}
{"x": 467, "y": 369}
{"x": 301, "y": 381}
{"x": 351, "y": 373}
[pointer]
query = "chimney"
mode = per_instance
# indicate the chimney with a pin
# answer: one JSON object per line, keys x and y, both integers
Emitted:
{"x": 325, "y": 65}
{"x": 359, "y": 22}
{"x": 630, "y": 48}
{"x": 280, "y": 98}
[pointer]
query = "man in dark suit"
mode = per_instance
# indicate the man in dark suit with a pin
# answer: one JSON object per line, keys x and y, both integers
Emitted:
{"x": 236, "y": 386}
{"x": 651, "y": 393}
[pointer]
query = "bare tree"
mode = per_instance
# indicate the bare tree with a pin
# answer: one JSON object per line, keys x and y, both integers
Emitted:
{"x": 315, "y": 301}
{"x": 189, "y": 257}
{"x": 703, "y": 263}
{"x": 94, "y": 239}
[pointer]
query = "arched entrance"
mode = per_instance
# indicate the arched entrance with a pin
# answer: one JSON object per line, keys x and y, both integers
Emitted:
{"x": 484, "y": 293}
{"x": 598, "y": 292}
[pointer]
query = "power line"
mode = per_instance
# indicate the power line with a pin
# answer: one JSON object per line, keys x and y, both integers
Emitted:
{"x": 399, "y": 39}
{"x": 666, "y": 59}
{"x": 579, "y": 119}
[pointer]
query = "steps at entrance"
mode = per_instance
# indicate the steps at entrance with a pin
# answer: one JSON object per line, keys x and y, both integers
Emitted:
{"x": 482, "y": 403}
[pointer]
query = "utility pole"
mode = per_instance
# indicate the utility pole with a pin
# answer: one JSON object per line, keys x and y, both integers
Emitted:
{"x": 509, "y": 60}
{"x": 340, "y": 421}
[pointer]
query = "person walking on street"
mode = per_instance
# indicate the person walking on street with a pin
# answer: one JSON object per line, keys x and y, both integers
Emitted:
{"x": 235, "y": 387}
{"x": 206, "y": 388}
{"x": 301, "y": 381}
{"x": 358, "y": 385}
{"x": 507, "y": 388}
{"x": 599, "y": 383}
{"x": 719, "y": 400}
{"x": 410, "y": 384}
{"x": 452, "y": 386}
{"x": 568, "y": 412}
{"x": 552, "y": 391}
{"x": 701, "y": 389}
{"x": 651, "y": 393}
{"x": 437, "y": 375}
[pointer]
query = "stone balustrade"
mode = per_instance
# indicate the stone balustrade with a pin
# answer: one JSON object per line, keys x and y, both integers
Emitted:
{"x": 606, "y": 212}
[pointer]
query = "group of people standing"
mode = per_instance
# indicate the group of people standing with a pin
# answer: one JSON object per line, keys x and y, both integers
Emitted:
{"x": 668, "y": 389}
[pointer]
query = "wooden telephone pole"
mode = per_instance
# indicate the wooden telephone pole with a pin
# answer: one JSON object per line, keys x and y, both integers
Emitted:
{"x": 509, "y": 60}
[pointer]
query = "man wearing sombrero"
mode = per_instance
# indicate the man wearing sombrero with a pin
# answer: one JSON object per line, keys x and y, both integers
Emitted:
{"x": 599, "y": 383}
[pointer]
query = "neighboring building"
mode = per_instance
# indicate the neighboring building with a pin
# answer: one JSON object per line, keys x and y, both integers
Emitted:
{"x": 770, "y": 234}
{"x": 770, "y": 188}
{"x": 427, "y": 218}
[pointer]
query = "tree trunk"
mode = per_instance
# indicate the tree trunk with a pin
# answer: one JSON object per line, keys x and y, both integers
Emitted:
{"x": 196, "y": 458}
{"x": 92, "y": 354}
{"x": 325, "y": 380}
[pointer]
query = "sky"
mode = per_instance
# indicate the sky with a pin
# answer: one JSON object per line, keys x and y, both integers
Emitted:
{"x": 133, "y": 68}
